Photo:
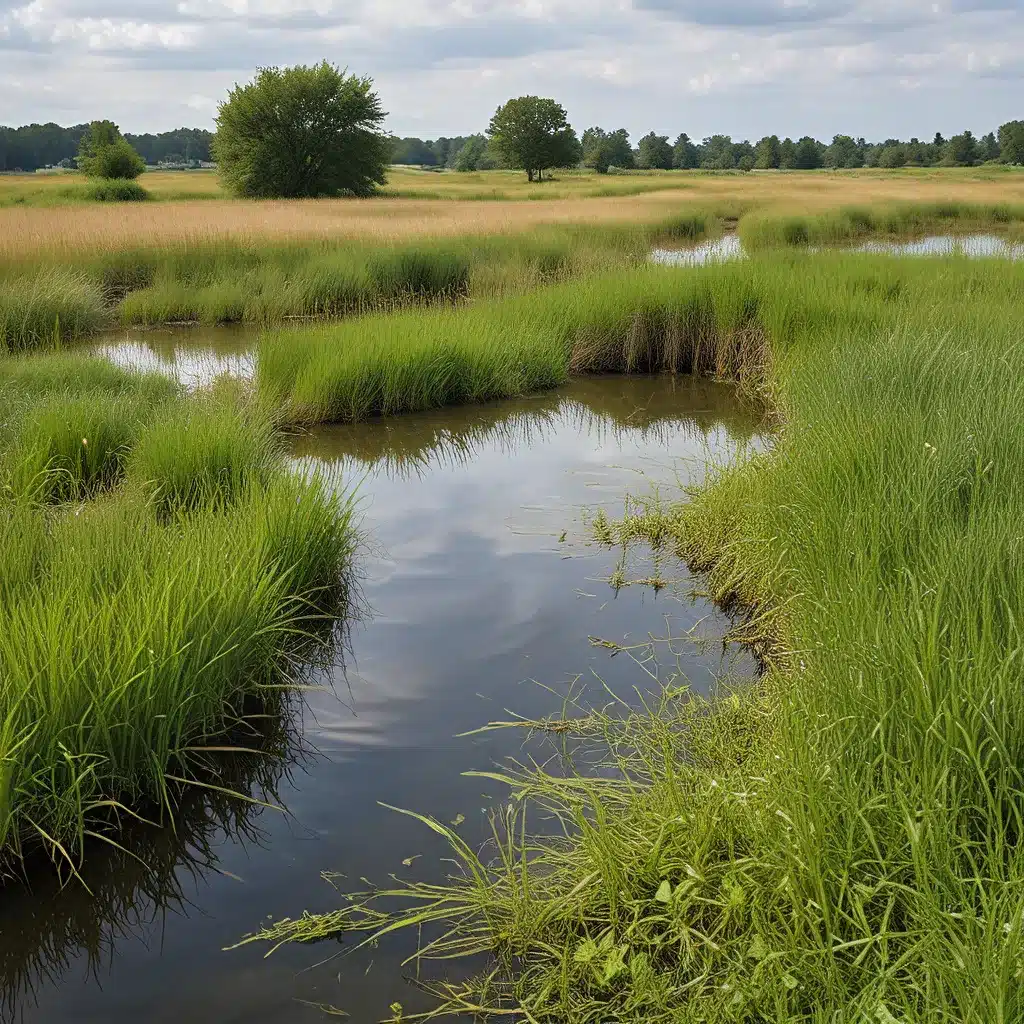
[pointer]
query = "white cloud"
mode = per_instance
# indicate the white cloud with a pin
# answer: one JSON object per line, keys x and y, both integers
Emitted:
{"x": 867, "y": 67}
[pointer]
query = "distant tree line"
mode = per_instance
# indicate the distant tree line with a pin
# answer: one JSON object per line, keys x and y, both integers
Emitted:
{"x": 34, "y": 146}
{"x": 604, "y": 150}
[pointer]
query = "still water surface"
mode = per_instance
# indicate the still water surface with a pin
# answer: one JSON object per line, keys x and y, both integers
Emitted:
{"x": 478, "y": 583}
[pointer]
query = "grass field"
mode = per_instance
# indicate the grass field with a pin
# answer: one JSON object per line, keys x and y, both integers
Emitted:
{"x": 420, "y": 204}
{"x": 838, "y": 840}
{"x": 159, "y": 564}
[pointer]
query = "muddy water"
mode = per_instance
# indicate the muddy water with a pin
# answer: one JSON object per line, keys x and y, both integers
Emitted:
{"x": 479, "y": 584}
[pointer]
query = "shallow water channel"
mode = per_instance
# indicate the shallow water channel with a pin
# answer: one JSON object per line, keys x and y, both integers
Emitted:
{"x": 479, "y": 582}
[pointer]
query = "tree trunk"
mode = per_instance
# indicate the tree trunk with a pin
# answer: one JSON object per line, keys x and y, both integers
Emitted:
{"x": 529, "y": 174}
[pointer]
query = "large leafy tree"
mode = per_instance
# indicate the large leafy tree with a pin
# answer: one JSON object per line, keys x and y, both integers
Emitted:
{"x": 602, "y": 149}
{"x": 301, "y": 132}
{"x": 685, "y": 153}
{"x": 654, "y": 152}
{"x": 1011, "y": 142}
{"x": 105, "y": 153}
{"x": 533, "y": 134}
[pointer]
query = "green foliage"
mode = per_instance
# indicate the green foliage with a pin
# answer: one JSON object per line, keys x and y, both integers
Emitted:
{"x": 472, "y": 155}
{"x": 837, "y": 840}
{"x": 300, "y": 132}
{"x": 850, "y": 224}
{"x": 843, "y": 152}
{"x": 48, "y": 306}
{"x": 533, "y": 133}
{"x": 1011, "y": 142}
{"x": 892, "y": 156}
{"x": 961, "y": 150}
{"x": 105, "y": 153}
{"x": 684, "y": 153}
{"x": 117, "y": 190}
{"x": 767, "y": 153}
{"x": 654, "y": 152}
{"x": 137, "y": 624}
{"x": 602, "y": 150}
{"x": 716, "y": 153}
{"x": 808, "y": 154}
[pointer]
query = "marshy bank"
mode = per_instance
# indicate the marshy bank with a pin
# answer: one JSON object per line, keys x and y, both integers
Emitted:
{"x": 839, "y": 838}
{"x": 479, "y": 576}
{"x": 161, "y": 567}
{"x": 59, "y": 294}
{"x": 64, "y": 295}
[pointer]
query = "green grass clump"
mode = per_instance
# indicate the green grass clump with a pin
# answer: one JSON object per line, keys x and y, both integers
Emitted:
{"x": 51, "y": 306}
{"x": 855, "y": 223}
{"x": 115, "y": 190}
{"x": 837, "y": 840}
{"x": 204, "y": 453}
{"x": 158, "y": 562}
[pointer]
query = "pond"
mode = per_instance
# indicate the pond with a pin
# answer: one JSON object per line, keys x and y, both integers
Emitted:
{"x": 482, "y": 597}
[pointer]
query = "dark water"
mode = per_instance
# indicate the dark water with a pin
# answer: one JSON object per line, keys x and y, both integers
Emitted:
{"x": 479, "y": 584}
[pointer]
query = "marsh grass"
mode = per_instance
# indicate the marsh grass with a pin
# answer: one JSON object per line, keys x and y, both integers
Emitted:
{"x": 158, "y": 565}
{"x": 53, "y": 305}
{"x": 847, "y": 224}
{"x": 837, "y": 839}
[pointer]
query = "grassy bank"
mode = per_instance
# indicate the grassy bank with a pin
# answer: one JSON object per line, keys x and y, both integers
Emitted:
{"x": 725, "y": 320}
{"x": 837, "y": 840}
{"x": 158, "y": 565}
{"x": 773, "y": 230}
{"x": 76, "y": 294}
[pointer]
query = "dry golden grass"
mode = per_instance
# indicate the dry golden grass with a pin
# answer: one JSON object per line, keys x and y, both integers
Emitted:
{"x": 26, "y": 230}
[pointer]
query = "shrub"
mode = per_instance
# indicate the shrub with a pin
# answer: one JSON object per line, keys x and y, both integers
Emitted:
{"x": 117, "y": 189}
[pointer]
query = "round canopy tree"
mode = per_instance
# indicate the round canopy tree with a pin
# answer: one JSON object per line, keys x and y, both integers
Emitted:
{"x": 533, "y": 133}
{"x": 301, "y": 132}
{"x": 105, "y": 153}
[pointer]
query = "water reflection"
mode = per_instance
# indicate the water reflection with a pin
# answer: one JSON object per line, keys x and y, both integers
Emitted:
{"x": 485, "y": 591}
{"x": 193, "y": 356}
{"x": 729, "y": 247}
{"x": 52, "y": 926}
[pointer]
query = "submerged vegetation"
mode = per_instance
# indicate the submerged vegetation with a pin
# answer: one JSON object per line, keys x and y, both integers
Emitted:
{"x": 159, "y": 564}
{"x": 836, "y": 840}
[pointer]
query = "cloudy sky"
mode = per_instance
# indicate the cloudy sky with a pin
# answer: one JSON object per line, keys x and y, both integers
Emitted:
{"x": 743, "y": 67}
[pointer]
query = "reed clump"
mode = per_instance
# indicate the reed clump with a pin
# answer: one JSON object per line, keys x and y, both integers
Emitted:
{"x": 159, "y": 563}
{"x": 837, "y": 839}
{"x": 772, "y": 230}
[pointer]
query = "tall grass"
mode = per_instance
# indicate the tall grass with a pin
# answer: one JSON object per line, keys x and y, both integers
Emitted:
{"x": 768, "y": 230}
{"x": 235, "y": 282}
{"x": 837, "y": 840}
{"x": 53, "y": 304}
{"x": 157, "y": 564}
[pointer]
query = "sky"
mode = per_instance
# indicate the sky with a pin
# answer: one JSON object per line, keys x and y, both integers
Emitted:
{"x": 746, "y": 68}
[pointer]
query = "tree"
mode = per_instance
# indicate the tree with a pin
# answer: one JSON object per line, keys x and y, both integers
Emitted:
{"x": 105, "y": 153}
{"x": 1011, "y": 142}
{"x": 717, "y": 154}
{"x": 767, "y": 154}
{"x": 685, "y": 154}
{"x": 414, "y": 152}
{"x": 808, "y": 155}
{"x": 471, "y": 154}
{"x": 655, "y": 153}
{"x": 302, "y": 131}
{"x": 961, "y": 150}
{"x": 893, "y": 155}
{"x": 843, "y": 152}
{"x": 989, "y": 148}
{"x": 602, "y": 149}
{"x": 787, "y": 154}
{"x": 533, "y": 134}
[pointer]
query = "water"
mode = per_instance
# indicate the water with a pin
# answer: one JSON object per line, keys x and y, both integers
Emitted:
{"x": 478, "y": 579}
{"x": 729, "y": 247}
